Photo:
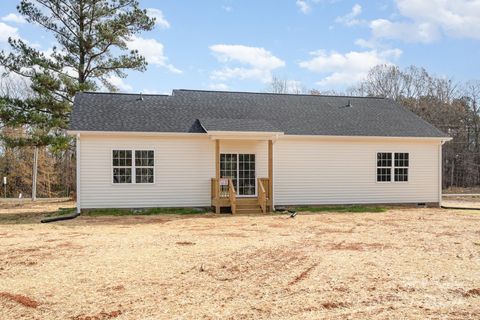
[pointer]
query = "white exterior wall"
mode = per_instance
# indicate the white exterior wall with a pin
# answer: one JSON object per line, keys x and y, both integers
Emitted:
{"x": 183, "y": 169}
{"x": 342, "y": 171}
{"x": 306, "y": 170}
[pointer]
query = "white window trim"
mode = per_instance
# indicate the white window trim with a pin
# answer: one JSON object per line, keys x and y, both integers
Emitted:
{"x": 392, "y": 168}
{"x": 133, "y": 167}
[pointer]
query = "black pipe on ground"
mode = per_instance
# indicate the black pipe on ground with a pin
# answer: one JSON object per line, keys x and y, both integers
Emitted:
{"x": 459, "y": 208}
{"x": 60, "y": 218}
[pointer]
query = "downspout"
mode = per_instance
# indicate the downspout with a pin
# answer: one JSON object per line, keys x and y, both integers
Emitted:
{"x": 440, "y": 173}
{"x": 78, "y": 158}
{"x": 273, "y": 171}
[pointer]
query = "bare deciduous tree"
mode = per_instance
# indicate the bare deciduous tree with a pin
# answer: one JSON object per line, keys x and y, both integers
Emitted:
{"x": 278, "y": 85}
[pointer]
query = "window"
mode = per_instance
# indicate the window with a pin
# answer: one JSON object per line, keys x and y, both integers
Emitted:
{"x": 401, "y": 167}
{"x": 384, "y": 167}
{"x": 396, "y": 163}
{"x": 144, "y": 163}
{"x": 124, "y": 167}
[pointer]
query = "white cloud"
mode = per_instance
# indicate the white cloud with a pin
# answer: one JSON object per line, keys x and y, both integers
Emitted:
{"x": 350, "y": 19}
{"x": 349, "y": 68}
{"x": 408, "y": 32}
{"x": 160, "y": 18}
{"x": 12, "y": 17}
{"x": 7, "y": 31}
{"x": 255, "y": 56}
{"x": 218, "y": 86}
{"x": 227, "y": 8}
{"x": 304, "y": 6}
{"x": 255, "y": 63}
{"x": 119, "y": 83}
{"x": 428, "y": 20}
{"x": 148, "y": 91}
{"x": 152, "y": 50}
{"x": 371, "y": 44}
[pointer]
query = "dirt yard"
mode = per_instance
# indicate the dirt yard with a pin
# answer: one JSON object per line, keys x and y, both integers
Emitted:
{"x": 403, "y": 264}
{"x": 25, "y": 210}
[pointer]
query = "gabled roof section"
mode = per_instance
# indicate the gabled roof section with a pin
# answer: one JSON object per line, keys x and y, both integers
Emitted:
{"x": 186, "y": 111}
{"x": 237, "y": 125}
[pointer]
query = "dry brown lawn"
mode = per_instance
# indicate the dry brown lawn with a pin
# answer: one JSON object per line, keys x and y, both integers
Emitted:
{"x": 25, "y": 210}
{"x": 402, "y": 264}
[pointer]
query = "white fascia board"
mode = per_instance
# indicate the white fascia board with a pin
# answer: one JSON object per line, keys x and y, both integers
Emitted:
{"x": 255, "y": 134}
{"x": 332, "y": 137}
{"x": 244, "y": 135}
{"x": 137, "y": 133}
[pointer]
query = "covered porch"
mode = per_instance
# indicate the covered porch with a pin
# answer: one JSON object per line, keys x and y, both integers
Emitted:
{"x": 243, "y": 179}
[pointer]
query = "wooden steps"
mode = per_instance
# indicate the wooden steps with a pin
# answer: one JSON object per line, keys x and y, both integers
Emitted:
{"x": 248, "y": 206}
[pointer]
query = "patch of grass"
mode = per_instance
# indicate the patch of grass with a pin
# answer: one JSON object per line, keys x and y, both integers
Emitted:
{"x": 61, "y": 212}
{"x": 352, "y": 209}
{"x": 142, "y": 212}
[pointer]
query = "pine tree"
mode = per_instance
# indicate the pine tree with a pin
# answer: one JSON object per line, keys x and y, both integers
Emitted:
{"x": 92, "y": 38}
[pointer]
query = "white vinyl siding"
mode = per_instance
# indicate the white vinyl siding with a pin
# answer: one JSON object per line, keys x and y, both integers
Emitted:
{"x": 336, "y": 171}
{"x": 183, "y": 169}
{"x": 306, "y": 170}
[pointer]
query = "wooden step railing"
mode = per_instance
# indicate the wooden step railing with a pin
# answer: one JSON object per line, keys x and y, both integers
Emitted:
{"x": 262, "y": 196}
{"x": 232, "y": 194}
{"x": 266, "y": 186}
{"x": 223, "y": 194}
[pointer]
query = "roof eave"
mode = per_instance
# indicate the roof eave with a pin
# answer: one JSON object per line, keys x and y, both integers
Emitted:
{"x": 244, "y": 135}
{"x": 137, "y": 133}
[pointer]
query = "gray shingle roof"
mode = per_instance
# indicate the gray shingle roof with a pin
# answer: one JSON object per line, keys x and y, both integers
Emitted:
{"x": 237, "y": 125}
{"x": 292, "y": 114}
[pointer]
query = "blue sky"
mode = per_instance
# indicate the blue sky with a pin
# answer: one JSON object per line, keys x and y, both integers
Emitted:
{"x": 316, "y": 44}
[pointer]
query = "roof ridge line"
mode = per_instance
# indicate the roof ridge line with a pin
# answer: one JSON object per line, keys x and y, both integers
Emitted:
{"x": 281, "y": 94}
{"x": 224, "y": 91}
{"x": 127, "y": 93}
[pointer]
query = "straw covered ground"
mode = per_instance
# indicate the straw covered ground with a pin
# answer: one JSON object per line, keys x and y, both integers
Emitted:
{"x": 401, "y": 264}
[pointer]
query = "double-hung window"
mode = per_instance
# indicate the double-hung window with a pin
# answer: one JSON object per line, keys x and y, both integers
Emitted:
{"x": 401, "y": 167}
{"x": 122, "y": 166}
{"x": 144, "y": 163}
{"x": 392, "y": 166}
{"x": 133, "y": 166}
{"x": 384, "y": 167}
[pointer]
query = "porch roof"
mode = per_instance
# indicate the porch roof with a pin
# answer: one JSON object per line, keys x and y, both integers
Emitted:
{"x": 211, "y": 125}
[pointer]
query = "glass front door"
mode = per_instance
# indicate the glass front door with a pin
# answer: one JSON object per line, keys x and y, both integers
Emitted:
{"x": 241, "y": 169}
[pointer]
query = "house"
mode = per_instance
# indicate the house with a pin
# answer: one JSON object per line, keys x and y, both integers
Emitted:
{"x": 251, "y": 151}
